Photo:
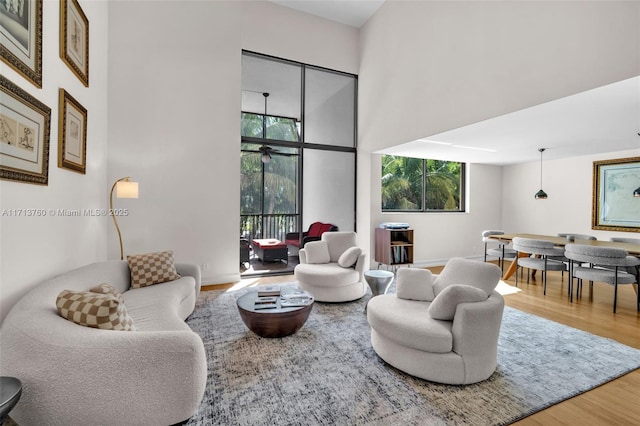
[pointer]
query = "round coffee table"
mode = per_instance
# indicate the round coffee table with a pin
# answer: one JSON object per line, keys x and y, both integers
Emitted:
{"x": 275, "y": 322}
{"x": 10, "y": 391}
{"x": 379, "y": 280}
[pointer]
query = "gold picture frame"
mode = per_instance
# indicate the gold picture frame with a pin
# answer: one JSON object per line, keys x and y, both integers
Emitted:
{"x": 21, "y": 38}
{"x": 25, "y": 124}
{"x": 614, "y": 208}
{"x": 74, "y": 39}
{"x": 72, "y": 134}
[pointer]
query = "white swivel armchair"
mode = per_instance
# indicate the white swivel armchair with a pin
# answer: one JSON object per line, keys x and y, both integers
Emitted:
{"x": 332, "y": 269}
{"x": 442, "y": 329}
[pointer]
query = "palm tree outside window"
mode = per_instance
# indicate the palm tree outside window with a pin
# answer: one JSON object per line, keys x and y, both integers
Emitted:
{"x": 424, "y": 185}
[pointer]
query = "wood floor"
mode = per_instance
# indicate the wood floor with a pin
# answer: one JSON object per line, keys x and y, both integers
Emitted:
{"x": 614, "y": 403}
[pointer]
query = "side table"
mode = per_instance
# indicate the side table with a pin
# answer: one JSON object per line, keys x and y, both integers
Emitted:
{"x": 10, "y": 391}
{"x": 379, "y": 280}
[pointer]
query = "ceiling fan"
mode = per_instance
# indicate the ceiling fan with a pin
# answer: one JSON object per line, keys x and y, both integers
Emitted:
{"x": 266, "y": 153}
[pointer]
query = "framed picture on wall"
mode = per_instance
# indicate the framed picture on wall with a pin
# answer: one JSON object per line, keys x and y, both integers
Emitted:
{"x": 24, "y": 135}
{"x": 72, "y": 134}
{"x": 21, "y": 37}
{"x": 614, "y": 206}
{"x": 74, "y": 39}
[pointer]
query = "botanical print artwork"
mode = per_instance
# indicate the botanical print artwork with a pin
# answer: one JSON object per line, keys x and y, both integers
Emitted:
{"x": 72, "y": 134}
{"x": 15, "y": 20}
{"x": 24, "y": 135}
{"x": 74, "y": 36}
{"x": 21, "y": 37}
{"x": 8, "y": 130}
{"x": 16, "y": 134}
{"x": 73, "y": 142}
{"x": 75, "y": 41}
{"x": 26, "y": 140}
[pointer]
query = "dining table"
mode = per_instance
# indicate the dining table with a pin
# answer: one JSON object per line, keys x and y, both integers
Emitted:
{"x": 631, "y": 249}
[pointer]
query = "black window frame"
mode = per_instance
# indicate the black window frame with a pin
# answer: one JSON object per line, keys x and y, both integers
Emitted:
{"x": 463, "y": 199}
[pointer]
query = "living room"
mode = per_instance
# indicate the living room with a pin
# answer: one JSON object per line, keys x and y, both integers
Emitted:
{"x": 164, "y": 102}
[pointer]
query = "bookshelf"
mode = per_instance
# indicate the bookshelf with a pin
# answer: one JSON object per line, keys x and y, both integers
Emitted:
{"x": 394, "y": 246}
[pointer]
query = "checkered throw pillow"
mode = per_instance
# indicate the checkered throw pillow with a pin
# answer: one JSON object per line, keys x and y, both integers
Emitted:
{"x": 152, "y": 268}
{"x": 104, "y": 311}
{"x": 106, "y": 288}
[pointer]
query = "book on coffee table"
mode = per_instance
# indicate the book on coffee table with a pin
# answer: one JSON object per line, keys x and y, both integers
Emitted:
{"x": 269, "y": 290}
{"x": 266, "y": 299}
{"x": 259, "y": 306}
{"x": 298, "y": 298}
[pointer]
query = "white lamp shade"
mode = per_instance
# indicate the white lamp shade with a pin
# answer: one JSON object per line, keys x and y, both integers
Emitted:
{"x": 126, "y": 189}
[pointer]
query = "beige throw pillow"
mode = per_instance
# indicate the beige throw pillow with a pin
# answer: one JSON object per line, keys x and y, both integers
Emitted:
{"x": 104, "y": 311}
{"x": 475, "y": 273}
{"x": 317, "y": 252}
{"x": 446, "y": 302}
{"x": 349, "y": 257}
{"x": 414, "y": 284}
{"x": 106, "y": 288}
{"x": 152, "y": 268}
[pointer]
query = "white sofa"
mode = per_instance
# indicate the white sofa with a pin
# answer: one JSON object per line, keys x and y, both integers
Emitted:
{"x": 442, "y": 328}
{"x": 76, "y": 375}
{"x": 332, "y": 269}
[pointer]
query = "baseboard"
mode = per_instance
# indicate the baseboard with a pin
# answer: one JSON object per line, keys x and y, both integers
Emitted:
{"x": 442, "y": 262}
{"x": 220, "y": 279}
{"x": 429, "y": 262}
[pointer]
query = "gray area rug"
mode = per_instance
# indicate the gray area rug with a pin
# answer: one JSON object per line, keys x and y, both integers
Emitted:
{"x": 328, "y": 374}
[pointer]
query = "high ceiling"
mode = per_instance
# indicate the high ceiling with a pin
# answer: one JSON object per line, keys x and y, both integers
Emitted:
{"x": 604, "y": 119}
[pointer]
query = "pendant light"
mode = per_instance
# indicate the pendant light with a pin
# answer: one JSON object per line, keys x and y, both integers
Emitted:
{"x": 266, "y": 156}
{"x": 541, "y": 195}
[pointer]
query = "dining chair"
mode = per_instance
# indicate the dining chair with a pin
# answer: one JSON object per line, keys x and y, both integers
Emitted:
{"x": 540, "y": 252}
{"x": 572, "y": 237}
{"x": 502, "y": 252}
{"x": 625, "y": 240}
{"x": 628, "y": 241}
{"x": 609, "y": 267}
{"x": 577, "y": 236}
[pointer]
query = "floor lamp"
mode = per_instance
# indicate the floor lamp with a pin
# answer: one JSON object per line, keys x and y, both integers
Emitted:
{"x": 124, "y": 189}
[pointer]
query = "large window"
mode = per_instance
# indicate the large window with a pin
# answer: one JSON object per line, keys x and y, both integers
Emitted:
{"x": 298, "y": 147}
{"x": 415, "y": 184}
{"x": 270, "y": 127}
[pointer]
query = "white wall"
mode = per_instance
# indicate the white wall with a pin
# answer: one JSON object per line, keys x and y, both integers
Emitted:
{"x": 174, "y": 123}
{"x": 440, "y": 236}
{"x": 174, "y": 127}
{"x": 285, "y": 33}
{"x": 569, "y": 186}
{"x": 35, "y": 248}
{"x": 431, "y": 66}
{"x": 427, "y": 67}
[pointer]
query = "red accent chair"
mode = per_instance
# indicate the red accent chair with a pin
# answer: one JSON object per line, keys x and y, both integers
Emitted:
{"x": 316, "y": 229}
